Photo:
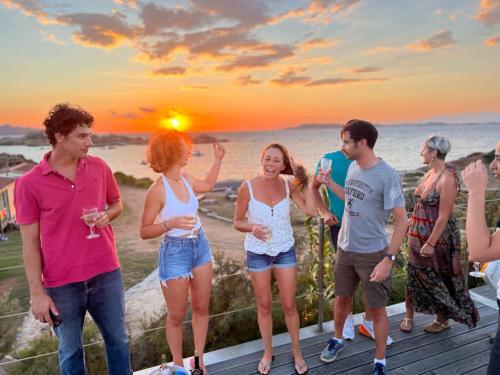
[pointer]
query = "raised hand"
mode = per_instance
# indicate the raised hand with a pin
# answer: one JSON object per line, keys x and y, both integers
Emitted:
{"x": 219, "y": 151}
{"x": 475, "y": 177}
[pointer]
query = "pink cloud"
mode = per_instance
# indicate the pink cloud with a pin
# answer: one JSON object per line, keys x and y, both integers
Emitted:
{"x": 438, "y": 40}
{"x": 291, "y": 78}
{"x": 262, "y": 56}
{"x": 30, "y": 8}
{"x": 317, "y": 11}
{"x": 170, "y": 71}
{"x": 99, "y": 30}
{"x": 246, "y": 80}
{"x": 366, "y": 69}
{"x": 489, "y": 12}
{"x": 340, "y": 81}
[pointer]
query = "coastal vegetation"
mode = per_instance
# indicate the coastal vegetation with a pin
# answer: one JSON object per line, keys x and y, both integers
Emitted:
{"x": 38, "y": 138}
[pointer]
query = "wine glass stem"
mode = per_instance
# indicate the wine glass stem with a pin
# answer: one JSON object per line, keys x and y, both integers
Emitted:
{"x": 91, "y": 230}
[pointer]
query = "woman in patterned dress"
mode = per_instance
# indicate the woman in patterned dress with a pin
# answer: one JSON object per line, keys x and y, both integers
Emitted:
{"x": 269, "y": 242}
{"x": 435, "y": 282}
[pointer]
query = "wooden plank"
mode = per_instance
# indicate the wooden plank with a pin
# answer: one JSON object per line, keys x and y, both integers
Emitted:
{"x": 312, "y": 347}
{"x": 461, "y": 366}
{"x": 430, "y": 357}
{"x": 404, "y": 351}
{"x": 478, "y": 371}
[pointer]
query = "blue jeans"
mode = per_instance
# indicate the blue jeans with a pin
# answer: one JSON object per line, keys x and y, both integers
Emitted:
{"x": 494, "y": 366}
{"x": 102, "y": 297}
{"x": 180, "y": 255}
{"x": 262, "y": 262}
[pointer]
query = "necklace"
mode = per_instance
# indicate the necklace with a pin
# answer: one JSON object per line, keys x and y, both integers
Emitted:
{"x": 173, "y": 178}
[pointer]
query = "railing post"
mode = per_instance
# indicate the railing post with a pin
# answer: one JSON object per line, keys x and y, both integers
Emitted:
{"x": 321, "y": 269}
{"x": 466, "y": 265}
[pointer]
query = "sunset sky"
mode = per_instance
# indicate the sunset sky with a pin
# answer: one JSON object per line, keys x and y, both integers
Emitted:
{"x": 234, "y": 65}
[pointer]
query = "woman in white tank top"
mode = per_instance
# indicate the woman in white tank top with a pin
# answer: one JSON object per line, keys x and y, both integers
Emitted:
{"x": 185, "y": 260}
{"x": 269, "y": 242}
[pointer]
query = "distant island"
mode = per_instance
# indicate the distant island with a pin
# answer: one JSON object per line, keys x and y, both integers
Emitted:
{"x": 38, "y": 138}
{"x": 431, "y": 123}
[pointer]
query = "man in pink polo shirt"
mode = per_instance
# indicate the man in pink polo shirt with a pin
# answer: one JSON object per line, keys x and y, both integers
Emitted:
{"x": 68, "y": 272}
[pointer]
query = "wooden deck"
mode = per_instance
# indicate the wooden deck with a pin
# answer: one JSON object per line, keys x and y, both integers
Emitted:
{"x": 457, "y": 350}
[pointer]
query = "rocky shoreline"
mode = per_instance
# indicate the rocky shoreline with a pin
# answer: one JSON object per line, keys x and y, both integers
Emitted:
{"x": 38, "y": 138}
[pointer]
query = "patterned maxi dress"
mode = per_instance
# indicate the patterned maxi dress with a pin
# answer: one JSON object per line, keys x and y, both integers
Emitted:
{"x": 436, "y": 284}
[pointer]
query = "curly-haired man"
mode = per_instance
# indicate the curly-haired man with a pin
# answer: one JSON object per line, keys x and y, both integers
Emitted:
{"x": 69, "y": 272}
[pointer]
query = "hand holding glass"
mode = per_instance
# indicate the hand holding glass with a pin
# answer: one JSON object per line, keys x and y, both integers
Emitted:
{"x": 476, "y": 272}
{"x": 325, "y": 165}
{"x": 90, "y": 214}
{"x": 193, "y": 220}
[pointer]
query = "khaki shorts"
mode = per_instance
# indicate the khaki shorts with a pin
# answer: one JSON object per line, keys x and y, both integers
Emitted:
{"x": 351, "y": 268}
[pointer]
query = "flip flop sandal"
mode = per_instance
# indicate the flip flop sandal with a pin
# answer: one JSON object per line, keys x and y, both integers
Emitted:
{"x": 436, "y": 327}
{"x": 301, "y": 369}
{"x": 406, "y": 325}
{"x": 262, "y": 367}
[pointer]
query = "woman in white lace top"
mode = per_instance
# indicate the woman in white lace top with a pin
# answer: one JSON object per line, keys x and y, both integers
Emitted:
{"x": 269, "y": 243}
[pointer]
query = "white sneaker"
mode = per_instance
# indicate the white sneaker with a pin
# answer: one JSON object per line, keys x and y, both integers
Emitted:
{"x": 366, "y": 329}
{"x": 348, "y": 331}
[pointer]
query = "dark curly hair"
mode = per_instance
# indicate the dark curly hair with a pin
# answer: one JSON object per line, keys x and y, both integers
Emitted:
{"x": 301, "y": 179}
{"x": 63, "y": 118}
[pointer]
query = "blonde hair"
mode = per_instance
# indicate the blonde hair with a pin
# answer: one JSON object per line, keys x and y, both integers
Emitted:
{"x": 165, "y": 148}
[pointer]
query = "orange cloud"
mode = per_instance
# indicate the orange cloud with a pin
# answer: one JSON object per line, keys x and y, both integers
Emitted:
{"x": 438, "y": 40}
{"x": 489, "y": 12}
{"x": 492, "y": 41}
{"x": 99, "y": 30}
{"x": 129, "y": 3}
{"x": 366, "y": 69}
{"x": 267, "y": 55}
{"x": 246, "y": 80}
{"x": 30, "y": 8}
{"x": 317, "y": 11}
{"x": 340, "y": 81}
{"x": 317, "y": 43}
{"x": 290, "y": 78}
{"x": 170, "y": 71}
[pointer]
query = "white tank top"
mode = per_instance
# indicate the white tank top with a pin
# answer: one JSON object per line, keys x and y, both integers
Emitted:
{"x": 174, "y": 207}
{"x": 277, "y": 218}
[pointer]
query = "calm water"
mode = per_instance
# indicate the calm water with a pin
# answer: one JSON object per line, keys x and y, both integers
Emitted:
{"x": 399, "y": 146}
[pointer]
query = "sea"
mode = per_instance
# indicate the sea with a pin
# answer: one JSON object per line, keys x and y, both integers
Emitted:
{"x": 397, "y": 145}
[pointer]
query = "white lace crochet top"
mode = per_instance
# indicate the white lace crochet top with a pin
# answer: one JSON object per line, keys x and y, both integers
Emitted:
{"x": 277, "y": 218}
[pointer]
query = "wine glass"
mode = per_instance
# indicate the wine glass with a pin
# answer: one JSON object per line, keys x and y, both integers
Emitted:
{"x": 269, "y": 234}
{"x": 89, "y": 216}
{"x": 325, "y": 165}
{"x": 194, "y": 218}
{"x": 476, "y": 272}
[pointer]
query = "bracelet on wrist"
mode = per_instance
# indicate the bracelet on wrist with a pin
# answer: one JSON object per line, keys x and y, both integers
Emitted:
{"x": 431, "y": 245}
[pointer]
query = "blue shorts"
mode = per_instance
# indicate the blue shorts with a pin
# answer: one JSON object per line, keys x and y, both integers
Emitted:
{"x": 179, "y": 256}
{"x": 262, "y": 262}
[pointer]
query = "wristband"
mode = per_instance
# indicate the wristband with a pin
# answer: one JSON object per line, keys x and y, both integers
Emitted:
{"x": 431, "y": 245}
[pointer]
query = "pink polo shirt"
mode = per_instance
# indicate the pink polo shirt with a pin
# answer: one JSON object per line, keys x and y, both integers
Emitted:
{"x": 42, "y": 195}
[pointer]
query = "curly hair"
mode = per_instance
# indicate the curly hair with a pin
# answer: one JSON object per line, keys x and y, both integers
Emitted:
{"x": 63, "y": 118}
{"x": 165, "y": 148}
{"x": 301, "y": 179}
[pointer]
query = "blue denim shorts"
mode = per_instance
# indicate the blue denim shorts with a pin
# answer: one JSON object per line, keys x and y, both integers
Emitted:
{"x": 179, "y": 256}
{"x": 262, "y": 262}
